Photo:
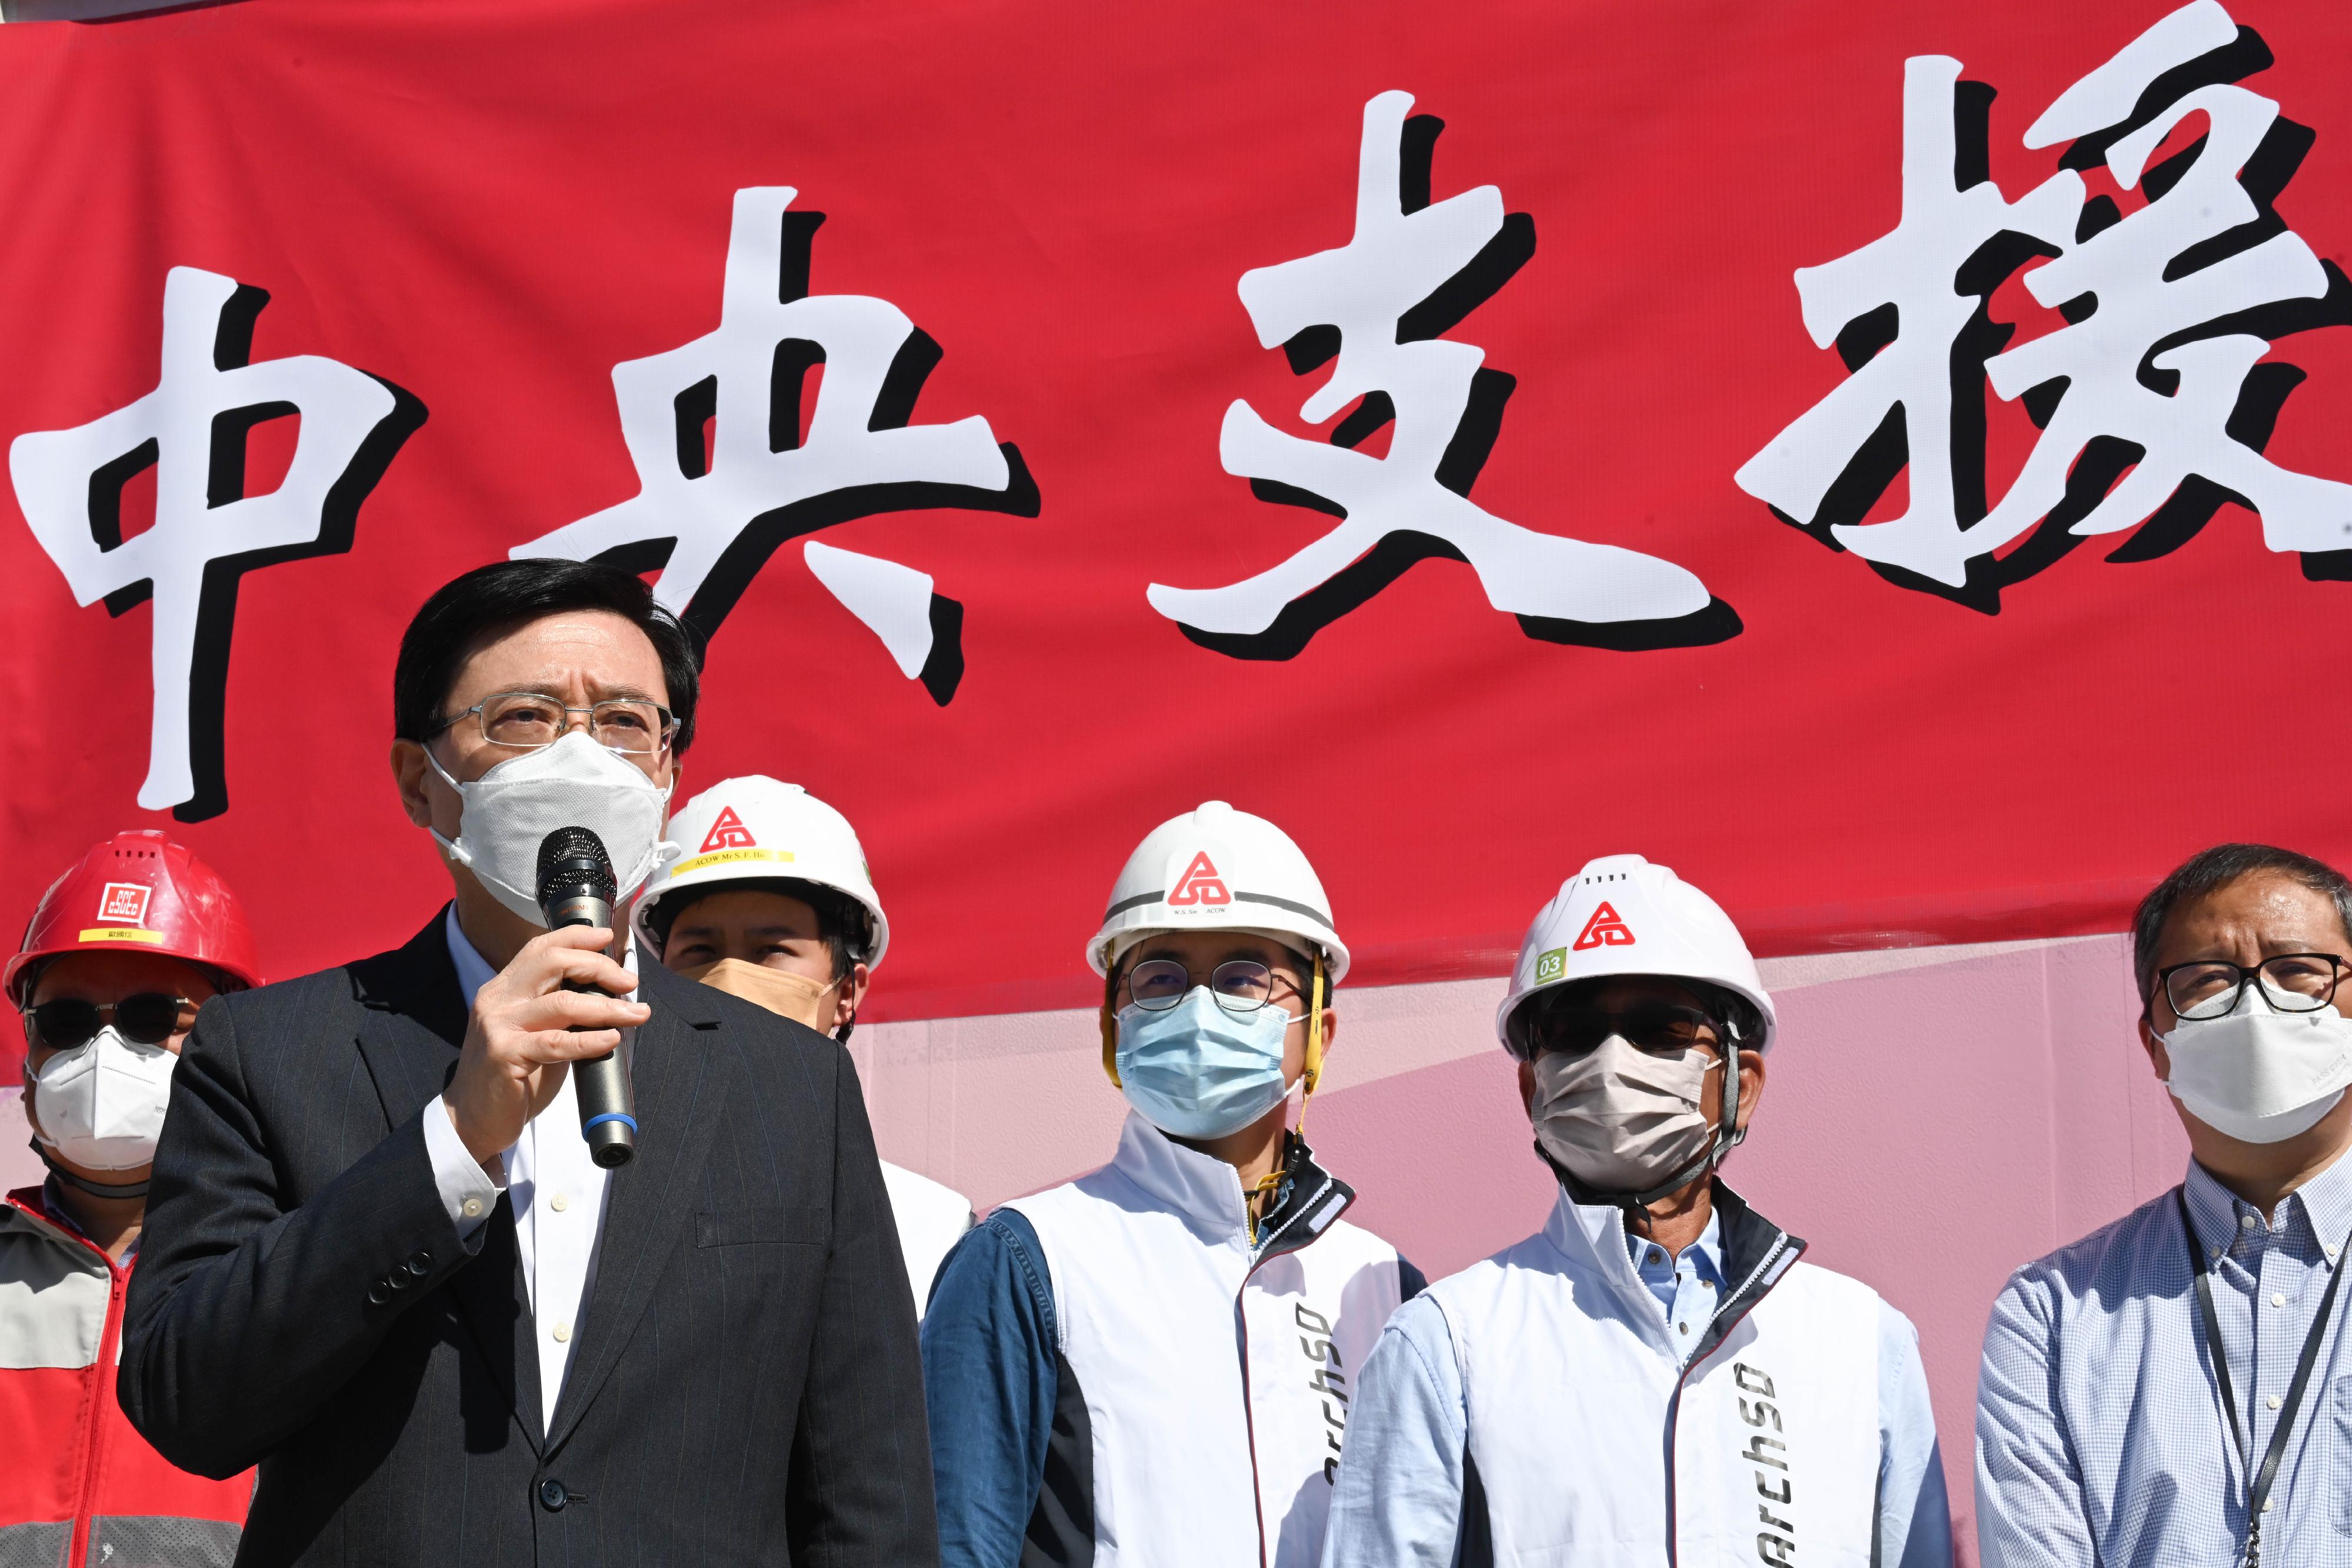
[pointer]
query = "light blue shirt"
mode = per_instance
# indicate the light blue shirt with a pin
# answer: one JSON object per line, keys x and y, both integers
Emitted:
{"x": 1401, "y": 1478}
{"x": 2100, "y": 1433}
{"x": 1687, "y": 1284}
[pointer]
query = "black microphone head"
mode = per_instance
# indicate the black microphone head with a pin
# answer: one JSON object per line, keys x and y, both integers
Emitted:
{"x": 571, "y": 864}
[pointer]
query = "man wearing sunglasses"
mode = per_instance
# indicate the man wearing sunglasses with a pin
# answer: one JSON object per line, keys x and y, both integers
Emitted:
{"x": 1152, "y": 1364}
{"x": 2175, "y": 1387}
{"x": 1654, "y": 1376}
{"x": 122, "y": 950}
{"x": 381, "y": 1262}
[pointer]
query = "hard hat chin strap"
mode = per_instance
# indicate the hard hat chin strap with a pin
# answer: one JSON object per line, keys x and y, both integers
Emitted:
{"x": 1311, "y": 1071}
{"x": 1110, "y": 1026}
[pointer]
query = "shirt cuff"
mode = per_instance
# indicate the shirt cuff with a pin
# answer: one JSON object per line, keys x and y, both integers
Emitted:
{"x": 468, "y": 1191}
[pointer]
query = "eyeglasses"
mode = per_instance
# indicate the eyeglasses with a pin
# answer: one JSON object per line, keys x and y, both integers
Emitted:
{"x": 1659, "y": 1026}
{"x": 1241, "y": 986}
{"x": 2290, "y": 982}
{"x": 151, "y": 1018}
{"x": 531, "y": 721}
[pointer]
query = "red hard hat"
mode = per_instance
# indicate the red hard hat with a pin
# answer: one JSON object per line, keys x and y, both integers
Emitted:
{"x": 139, "y": 892}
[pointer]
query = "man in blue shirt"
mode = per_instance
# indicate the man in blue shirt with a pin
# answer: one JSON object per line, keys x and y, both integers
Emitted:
{"x": 1654, "y": 1377}
{"x": 2173, "y": 1388}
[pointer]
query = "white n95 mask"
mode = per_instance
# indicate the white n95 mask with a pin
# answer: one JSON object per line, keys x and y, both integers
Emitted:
{"x": 574, "y": 783}
{"x": 101, "y": 1105}
{"x": 1622, "y": 1119}
{"x": 2259, "y": 1075}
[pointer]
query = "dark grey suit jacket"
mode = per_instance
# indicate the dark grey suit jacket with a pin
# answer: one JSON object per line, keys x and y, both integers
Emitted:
{"x": 745, "y": 1387}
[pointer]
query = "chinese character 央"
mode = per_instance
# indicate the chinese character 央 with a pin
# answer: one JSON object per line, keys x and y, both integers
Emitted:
{"x": 727, "y": 474}
{"x": 207, "y": 531}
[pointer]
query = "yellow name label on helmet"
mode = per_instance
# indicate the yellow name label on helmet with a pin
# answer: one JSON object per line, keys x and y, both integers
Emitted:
{"x": 728, "y": 857}
{"x": 120, "y": 934}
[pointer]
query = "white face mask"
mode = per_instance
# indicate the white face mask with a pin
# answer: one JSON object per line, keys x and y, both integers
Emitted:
{"x": 2258, "y": 1075}
{"x": 1619, "y": 1118}
{"x": 574, "y": 783}
{"x": 100, "y": 1105}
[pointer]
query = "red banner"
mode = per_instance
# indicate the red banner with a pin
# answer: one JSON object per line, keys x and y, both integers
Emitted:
{"x": 1879, "y": 460}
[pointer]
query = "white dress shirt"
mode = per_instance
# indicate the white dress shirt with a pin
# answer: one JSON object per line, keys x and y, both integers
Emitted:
{"x": 557, "y": 1191}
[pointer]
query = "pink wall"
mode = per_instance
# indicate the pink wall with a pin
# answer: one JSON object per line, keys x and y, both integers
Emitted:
{"x": 1935, "y": 1117}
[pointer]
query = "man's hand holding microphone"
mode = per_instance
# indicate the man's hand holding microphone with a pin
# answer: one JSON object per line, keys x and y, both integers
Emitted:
{"x": 563, "y": 1000}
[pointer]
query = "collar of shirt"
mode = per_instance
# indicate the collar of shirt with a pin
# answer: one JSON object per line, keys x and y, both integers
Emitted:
{"x": 1702, "y": 1260}
{"x": 2313, "y": 1220}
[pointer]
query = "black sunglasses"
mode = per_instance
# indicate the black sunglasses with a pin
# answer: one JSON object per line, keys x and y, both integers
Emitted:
{"x": 1664, "y": 1027}
{"x": 151, "y": 1018}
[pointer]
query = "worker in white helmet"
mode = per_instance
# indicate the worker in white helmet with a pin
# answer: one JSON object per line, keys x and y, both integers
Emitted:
{"x": 1151, "y": 1364}
{"x": 1520, "y": 1410}
{"x": 773, "y": 903}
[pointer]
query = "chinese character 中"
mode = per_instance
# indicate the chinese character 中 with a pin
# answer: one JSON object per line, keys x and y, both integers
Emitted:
{"x": 2151, "y": 405}
{"x": 727, "y": 474}
{"x": 207, "y": 532}
{"x": 1374, "y": 309}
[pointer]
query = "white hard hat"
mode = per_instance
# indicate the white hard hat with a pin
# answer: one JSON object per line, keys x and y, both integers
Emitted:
{"x": 758, "y": 829}
{"x": 1216, "y": 868}
{"x": 1621, "y": 915}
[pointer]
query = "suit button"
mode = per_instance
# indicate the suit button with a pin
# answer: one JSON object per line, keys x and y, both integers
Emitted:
{"x": 552, "y": 1495}
{"x": 420, "y": 1264}
{"x": 396, "y": 1280}
{"x": 379, "y": 1291}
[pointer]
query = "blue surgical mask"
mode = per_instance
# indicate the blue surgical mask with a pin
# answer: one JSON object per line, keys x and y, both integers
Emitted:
{"x": 1195, "y": 1071}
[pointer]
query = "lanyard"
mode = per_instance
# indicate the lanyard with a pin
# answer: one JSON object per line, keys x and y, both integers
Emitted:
{"x": 2258, "y": 1487}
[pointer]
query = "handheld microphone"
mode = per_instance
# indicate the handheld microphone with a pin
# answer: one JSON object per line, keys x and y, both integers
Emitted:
{"x": 576, "y": 887}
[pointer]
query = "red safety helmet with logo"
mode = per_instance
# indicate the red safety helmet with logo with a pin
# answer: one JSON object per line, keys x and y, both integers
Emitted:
{"x": 138, "y": 891}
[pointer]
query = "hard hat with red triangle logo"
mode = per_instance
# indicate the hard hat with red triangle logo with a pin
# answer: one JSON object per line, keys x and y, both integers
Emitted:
{"x": 1219, "y": 869}
{"x": 758, "y": 829}
{"x": 1621, "y": 915}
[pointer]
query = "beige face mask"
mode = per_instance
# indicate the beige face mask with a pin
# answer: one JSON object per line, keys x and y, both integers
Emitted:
{"x": 796, "y": 997}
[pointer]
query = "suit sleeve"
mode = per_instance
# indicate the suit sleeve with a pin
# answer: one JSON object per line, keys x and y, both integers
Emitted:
{"x": 859, "y": 1489}
{"x": 245, "y": 1315}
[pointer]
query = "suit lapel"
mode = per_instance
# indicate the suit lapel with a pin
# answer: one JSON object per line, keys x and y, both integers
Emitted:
{"x": 413, "y": 1025}
{"x": 677, "y": 1114}
{"x": 412, "y": 1022}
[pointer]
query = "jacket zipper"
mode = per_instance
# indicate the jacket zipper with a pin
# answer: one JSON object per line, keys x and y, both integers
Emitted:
{"x": 1675, "y": 1402}
{"x": 1241, "y": 1321}
{"x": 101, "y": 1389}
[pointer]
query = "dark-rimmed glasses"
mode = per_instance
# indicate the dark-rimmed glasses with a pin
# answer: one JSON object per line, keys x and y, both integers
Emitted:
{"x": 532, "y": 721}
{"x": 149, "y": 1018}
{"x": 1241, "y": 986}
{"x": 2290, "y": 983}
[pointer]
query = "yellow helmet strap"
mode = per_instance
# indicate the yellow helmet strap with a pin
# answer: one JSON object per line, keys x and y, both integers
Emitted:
{"x": 1111, "y": 1027}
{"x": 1311, "y": 1070}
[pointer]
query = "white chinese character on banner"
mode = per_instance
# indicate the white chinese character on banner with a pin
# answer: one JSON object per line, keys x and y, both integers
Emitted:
{"x": 1374, "y": 309}
{"x": 2150, "y": 387}
{"x": 727, "y": 474}
{"x": 207, "y": 532}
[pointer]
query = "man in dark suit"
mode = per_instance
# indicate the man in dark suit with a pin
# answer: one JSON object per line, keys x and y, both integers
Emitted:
{"x": 378, "y": 1261}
